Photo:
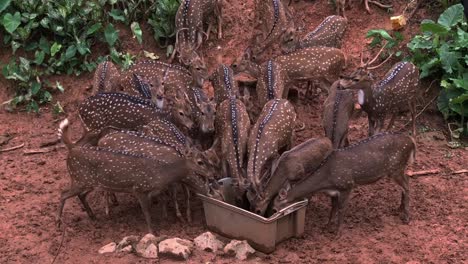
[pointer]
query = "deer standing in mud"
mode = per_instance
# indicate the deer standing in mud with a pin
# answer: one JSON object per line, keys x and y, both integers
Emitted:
{"x": 121, "y": 171}
{"x": 382, "y": 155}
{"x": 396, "y": 92}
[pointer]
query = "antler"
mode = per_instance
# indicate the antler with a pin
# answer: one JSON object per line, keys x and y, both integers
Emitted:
{"x": 366, "y": 65}
{"x": 375, "y": 67}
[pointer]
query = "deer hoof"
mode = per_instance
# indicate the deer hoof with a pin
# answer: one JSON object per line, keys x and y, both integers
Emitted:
{"x": 405, "y": 219}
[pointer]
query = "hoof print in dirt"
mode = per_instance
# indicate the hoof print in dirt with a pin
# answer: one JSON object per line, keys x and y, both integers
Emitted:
{"x": 147, "y": 247}
{"x": 176, "y": 247}
{"x": 208, "y": 242}
{"x": 241, "y": 249}
{"x": 109, "y": 248}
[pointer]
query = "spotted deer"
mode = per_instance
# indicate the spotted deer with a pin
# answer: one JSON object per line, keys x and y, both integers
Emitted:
{"x": 328, "y": 34}
{"x": 232, "y": 130}
{"x": 366, "y": 162}
{"x": 396, "y": 92}
{"x": 337, "y": 110}
{"x": 224, "y": 84}
{"x": 190, "y": 17}
{"x": 146, "y": 88}
{"x": 163, "y": 148}
{"x": 123, "y": 111}
{"x": 293, "y": 165}
{"x": 322, "y": 64}
{"x": 92, "y": 167}
{"x": 275, "y": 19}
{"x": 106, "y": 77}
{"x": 270, "y": 136}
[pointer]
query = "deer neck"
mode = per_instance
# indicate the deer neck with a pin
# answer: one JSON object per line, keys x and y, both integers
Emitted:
{"x": 365, "y": 95}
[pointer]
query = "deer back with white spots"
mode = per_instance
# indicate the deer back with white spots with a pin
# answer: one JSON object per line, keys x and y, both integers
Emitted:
{"x": 328, "y": 34}
{"x": 232, "y": 129}
{"x": 224, "y": 84}
{"x": 106, "y": 77}
{"x": 269, "y": 137}
{"x": 396, "y": 92}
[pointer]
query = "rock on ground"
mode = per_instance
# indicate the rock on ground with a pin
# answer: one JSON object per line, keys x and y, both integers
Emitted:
{"x": 176, "y": 247}
{"x": 147, "y": 247}
{"x": 109, "y": 248}
{"x": 241, "y": 249}
{"x": 209, "y": 242}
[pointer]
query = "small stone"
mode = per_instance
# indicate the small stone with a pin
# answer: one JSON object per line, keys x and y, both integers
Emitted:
{"x": 241, "y": 249}
{"x": 126, "y": 241}
{"x": 176, "y": 247}
{"x": 127, "y": 249}
{"x": 146, "y": 245}
{"x": 109, "y": 248}
{"x": 207, "y": 241}
{"x": 151, "y": 252}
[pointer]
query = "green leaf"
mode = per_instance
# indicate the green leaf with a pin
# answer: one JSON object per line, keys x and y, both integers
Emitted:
{"x": 4, "y": 4}
{"x": 55, "y": 48}
{"x": 82, "y": 48}
{"x": 137, "y": 31}
{"x": 449, "y": 59}
{"x": 460, "y": 99}
{"x": 71, "y": 52}
{"x": 379, "y": 32}
{"x": 452, "y": 16}
{"x": 430, "y": 26}
{"x": 93, "y": 29}
{"x": 39, "y": 57}
{"x": 111, "y": 34}
{"x": 117, "y": 15}
{"x": 33, "y": 107}
{"x": 35, "y": 88}
{"x": 11, "y": 22}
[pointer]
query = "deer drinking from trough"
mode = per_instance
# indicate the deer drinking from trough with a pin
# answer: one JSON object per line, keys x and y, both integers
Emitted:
{"x": 396, "y": 92}
{"x": 121, "y": 171}
{"x": 328, "y": 34}
{"x": 337, "y": 110}
{"x": 232, "y": 129}
{"x": 269, "y": 137}
{"x": 365, "y": 162}
{"x": 293, "y": 165}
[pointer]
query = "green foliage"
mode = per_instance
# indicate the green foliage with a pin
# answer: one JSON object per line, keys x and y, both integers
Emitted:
{"x": 441, "y": 52}
{"x": 163, "y": 20}
{"x": 392, "y": 40}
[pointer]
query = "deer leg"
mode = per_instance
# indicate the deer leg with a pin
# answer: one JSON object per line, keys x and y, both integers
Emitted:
{"x": 188, "y": 209}
{"x": 176, "y": 204}
{"x": 67, "y": 194}
{"x": 413, "y": 117}
{"x": 334, "y": 203}
{"x": 171, "y": 59}
{"x": 392, "y": 121}
{"x": 87, "y": 208}
{"x": 402, "y": 179}
{"x": 371, "y": 126}
{"x": 219, "y": 15}
{"x": 208, "y": 31}
{"x": 342, "y": 201}
{"x": 145, "y": 205}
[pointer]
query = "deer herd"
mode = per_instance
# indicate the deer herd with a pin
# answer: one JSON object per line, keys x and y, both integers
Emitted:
{"x": 153, "y": 129}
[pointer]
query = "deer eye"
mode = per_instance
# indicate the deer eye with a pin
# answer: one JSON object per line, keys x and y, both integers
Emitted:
{"x": 198, "y": 68}
{"x": 200, "y": 162}
{"x": 356, "y": 80}
{"x": 234, "y": 65}
{"x": 181, "y": 113}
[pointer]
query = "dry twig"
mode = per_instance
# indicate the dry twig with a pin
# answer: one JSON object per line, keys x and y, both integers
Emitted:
{"x": 12, "y": 148}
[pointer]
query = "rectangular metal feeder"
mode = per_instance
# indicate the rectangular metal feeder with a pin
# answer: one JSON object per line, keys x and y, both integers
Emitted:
{"x": 262, "y": 233}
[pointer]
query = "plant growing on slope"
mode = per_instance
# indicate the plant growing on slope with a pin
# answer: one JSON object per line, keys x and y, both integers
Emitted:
{"x": 441, "y": 52}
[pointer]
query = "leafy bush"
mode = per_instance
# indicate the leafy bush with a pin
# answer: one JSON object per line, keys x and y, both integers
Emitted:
{"x": 441, "y": 52}
{"x": 163, "y": 20}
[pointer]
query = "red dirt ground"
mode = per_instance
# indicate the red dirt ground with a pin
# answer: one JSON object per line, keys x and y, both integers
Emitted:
{"x": 373, "y": 233}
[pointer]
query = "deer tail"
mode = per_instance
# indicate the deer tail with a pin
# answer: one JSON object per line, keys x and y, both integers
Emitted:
{"x": 63, "y": 133}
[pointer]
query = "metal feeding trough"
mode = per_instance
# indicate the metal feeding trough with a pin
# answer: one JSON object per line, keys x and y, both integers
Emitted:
{"x": 262, "y": 233}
